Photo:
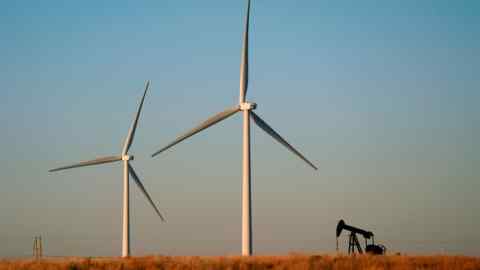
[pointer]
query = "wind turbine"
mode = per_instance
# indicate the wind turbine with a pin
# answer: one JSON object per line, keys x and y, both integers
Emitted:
{"x": 247, "y": 109}
{"x": 127, "y": 170}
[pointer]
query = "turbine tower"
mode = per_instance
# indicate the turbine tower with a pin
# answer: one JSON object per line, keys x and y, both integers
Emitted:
{"x": 127, "y": 170}
{"x": 247, "y": 111}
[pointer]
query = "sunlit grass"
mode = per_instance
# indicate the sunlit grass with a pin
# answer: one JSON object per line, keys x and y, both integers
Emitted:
{"x": 240, "y": 263}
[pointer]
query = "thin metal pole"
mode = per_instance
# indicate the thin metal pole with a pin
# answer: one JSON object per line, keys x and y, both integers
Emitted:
{"x": 34, "y": 250}
{"x": 40, "y": 247}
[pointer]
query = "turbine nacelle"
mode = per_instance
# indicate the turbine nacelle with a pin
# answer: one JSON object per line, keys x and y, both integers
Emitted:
{"x": 127, "y": 158}
{"x": 248, "y": 106}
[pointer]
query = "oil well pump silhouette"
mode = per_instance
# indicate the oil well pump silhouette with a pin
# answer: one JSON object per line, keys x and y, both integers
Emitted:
{"x": 354, "y": 243}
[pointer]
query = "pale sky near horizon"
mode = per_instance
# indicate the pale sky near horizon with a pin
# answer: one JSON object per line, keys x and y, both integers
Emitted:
{"x": 381, "y": 95}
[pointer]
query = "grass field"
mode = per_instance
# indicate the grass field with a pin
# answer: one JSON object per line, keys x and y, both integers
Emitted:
{"x": 263, "y": 262}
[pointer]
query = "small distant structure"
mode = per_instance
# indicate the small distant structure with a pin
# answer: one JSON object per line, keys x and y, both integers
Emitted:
{"x": 354, "y": 243}
{"x": 37, "y": 247}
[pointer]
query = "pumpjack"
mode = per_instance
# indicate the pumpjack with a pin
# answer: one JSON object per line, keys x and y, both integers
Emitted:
{"x": 353, "y": 242}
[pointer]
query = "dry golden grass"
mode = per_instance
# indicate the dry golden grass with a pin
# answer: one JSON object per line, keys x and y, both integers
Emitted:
{"x": 238, "y": 263}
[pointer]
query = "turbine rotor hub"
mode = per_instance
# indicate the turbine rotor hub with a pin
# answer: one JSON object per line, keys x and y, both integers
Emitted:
{"x": 127, "y": 157}
{"x": 248, "y": 106}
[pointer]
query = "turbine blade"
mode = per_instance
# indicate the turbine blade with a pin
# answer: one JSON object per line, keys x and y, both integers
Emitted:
{"x": 133, "y": 128}
{"x": 263, "y": 125}
{"x": 244, "y": 59}
{"x": 144, "y": 191}
{"x": 209, "y": 122}
{"x": 97, "y": 161}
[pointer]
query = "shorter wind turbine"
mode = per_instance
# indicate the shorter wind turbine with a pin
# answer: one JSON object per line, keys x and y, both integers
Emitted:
{"x": 247, "y": 110}
{"x": 127, "y": 170}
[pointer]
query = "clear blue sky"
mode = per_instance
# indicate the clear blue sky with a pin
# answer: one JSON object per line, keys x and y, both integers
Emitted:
{"x": 382, "y": 95}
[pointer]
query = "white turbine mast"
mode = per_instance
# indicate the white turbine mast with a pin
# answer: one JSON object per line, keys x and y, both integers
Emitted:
{"x": 247, "y": 109}
{"x": 127, "y": 170}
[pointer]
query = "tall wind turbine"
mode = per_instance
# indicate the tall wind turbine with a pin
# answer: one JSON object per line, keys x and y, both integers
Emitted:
{"x": 247, "y": 109}
{"x": 127, "y": 170}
